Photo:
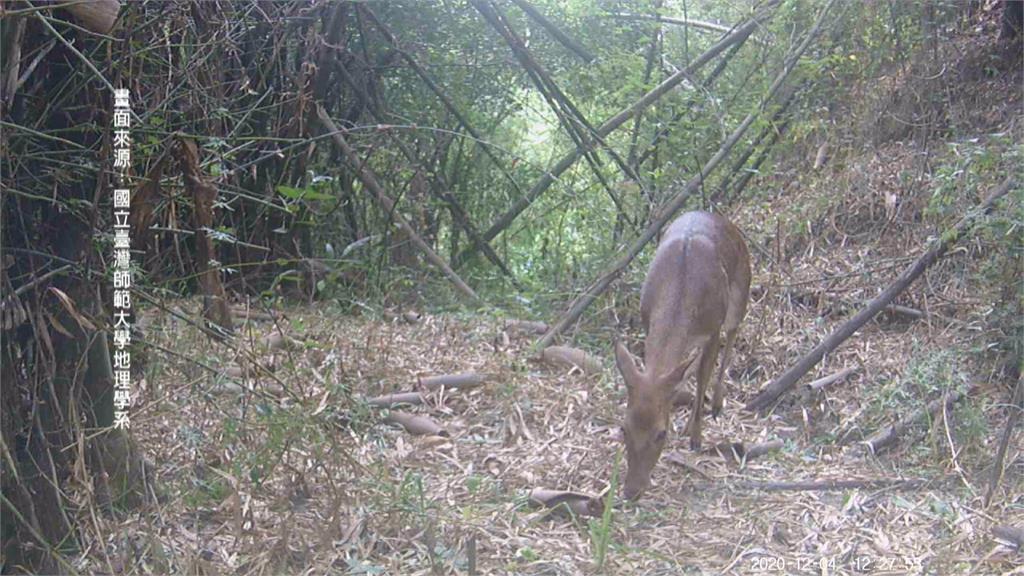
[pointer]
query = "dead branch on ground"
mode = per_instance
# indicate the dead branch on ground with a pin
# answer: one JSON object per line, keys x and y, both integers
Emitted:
{"x": 774, "y": 390}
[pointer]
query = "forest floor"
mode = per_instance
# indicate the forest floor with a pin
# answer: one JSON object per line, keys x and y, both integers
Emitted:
{"x": 292, "y": 472}
{"x": 299, "y": 475}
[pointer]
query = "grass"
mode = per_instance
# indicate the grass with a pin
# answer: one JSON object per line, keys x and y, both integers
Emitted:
{"x": 601, "y": 531}
{"x": 928, "y": 375}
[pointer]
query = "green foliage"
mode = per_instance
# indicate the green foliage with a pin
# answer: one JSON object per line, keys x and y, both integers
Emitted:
{"x": 969, "y": 166}
{"x": 527, "y": 554}
{"x": 972, "y": 169}
{"x": 303, "y": 194}
{"x": 929, "y": 375}
{"x": 207, "y": 492}
{"x": 601, "y": 531}
{"x": 410, "y": 496}
{"x": 567, "y": 236}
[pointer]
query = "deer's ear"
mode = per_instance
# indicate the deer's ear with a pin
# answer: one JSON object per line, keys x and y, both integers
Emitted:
{"x": 624, "y": 361}
{"x": 675, "y": 375}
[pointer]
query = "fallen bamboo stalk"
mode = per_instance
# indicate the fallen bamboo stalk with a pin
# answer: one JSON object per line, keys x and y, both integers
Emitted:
{"x": 822, "y": 383}
{"x": 276, "y": 340}
{"x": 567, "y": 356}
{"x": 388, "y": 400}
{"x": 244, "y": 314}
{"x": 906, "y": 311}
{"x": 564, "y": 501}
{"x": 463, "y": 380}
{"x": 890, "y": 434}
{"x": 774, "y": 390}
{"x": 1016, "y": 409}
{"x": 740, "y": 452}
{"x": 683, "y": 461}
{"x": 838, "y": 484}
{"x": 758, "y": 450}
{"x": 416, "y": 424}
{"x": 471, "y": 555}
{"x": 526, "y": 327}
{"x": 1013, "y": 535}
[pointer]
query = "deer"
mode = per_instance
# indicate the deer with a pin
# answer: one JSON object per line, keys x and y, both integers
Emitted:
{"x": 698, "y": 284}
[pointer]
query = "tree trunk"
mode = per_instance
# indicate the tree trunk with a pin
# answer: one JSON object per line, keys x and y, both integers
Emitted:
{"x": 53, "y": 364}
{"x": 215, "y": 303}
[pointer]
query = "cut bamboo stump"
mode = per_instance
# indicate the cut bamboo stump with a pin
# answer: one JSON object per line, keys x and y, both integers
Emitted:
{"x": 389, "y": 400}
{"x": 572, "y": 357}
{"x": 416, "y": 424}
{"x": 462, "y": 381}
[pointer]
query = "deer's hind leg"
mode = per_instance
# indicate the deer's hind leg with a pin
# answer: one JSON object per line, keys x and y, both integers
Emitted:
{"x": 718, "y": 399}
{"x": 704, "y": 372}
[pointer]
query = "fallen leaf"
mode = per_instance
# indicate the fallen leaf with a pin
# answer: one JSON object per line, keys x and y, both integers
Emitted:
{"x": 562, "y": 501}
{"x": 65, "y": 301}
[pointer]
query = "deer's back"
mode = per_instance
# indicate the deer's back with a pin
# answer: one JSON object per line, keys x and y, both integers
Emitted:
{"x": 699, "y": 257}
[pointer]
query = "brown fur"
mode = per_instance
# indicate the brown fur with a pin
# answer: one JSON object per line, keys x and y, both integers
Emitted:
{"x": 698, "y": 285}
